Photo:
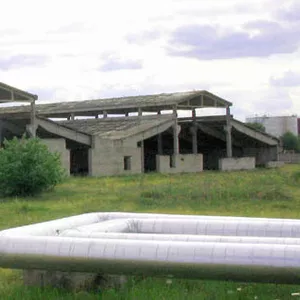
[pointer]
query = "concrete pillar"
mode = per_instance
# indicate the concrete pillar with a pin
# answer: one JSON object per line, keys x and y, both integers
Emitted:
{"x": 277, "y": 152}
{"x": 194, "y": 132}
{"x": 72, "y": 116}
{"x": 126, "y": 114}
{"x": 194, "y": 140}
{"x": 32, "y": 119}
{"x": 91, "y": 157}
{"x": 104, "y": 114}
{"x": 175, "y": 139}
{"x": 140, "y": 112}
{"x": 142, "y": 157}
{"x": 175, "y": 134}
{"x": 228, "y": 133}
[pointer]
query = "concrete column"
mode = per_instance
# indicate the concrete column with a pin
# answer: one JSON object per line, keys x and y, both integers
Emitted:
{"x": 228, "y": 133}
{"x": 127, "y": 114}
{"x": 194, "y": 140}
{"x": 104, "y": 114}
{"x": 175, "y": 133}
{"x": 142, "y": 157}
{"x": 32, "y": 119}
{"x": 72, "y": 116}
{"x": 194, "y": 132}
{"x": 140, "y": 112}
{"x": 194, "y": 115}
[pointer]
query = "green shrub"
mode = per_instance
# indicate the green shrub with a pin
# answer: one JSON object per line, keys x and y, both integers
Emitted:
{"x": 290, "y": 142}
{"x": 256, "y": 126}
{"x": 27, "y": 168}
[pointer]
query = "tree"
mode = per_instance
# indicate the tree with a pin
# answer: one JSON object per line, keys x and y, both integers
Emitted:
{"x": 257, "y": 126}
{"x": 27, "y": 167}
{"x": 290, "y": 142}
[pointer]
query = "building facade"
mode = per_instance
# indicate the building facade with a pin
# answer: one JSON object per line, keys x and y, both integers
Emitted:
{"x": 277, "y": 126}
{"x": 132, "y": 135}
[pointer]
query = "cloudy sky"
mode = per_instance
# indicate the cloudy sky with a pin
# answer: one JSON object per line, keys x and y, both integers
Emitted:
{"x": 246, "y": 51}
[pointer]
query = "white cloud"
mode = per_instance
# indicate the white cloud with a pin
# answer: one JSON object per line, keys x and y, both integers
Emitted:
{"x": 77, "y": 37}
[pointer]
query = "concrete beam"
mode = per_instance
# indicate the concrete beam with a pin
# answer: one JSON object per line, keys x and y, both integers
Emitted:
{"x": 65, "y": 132}
{"x": 217, "y": 134}
{"x": 149, "y": 132}
{"x": 254, "y": 134}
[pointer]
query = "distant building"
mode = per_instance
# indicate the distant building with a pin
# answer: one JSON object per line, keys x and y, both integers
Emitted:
{"x": 277, "y": 126}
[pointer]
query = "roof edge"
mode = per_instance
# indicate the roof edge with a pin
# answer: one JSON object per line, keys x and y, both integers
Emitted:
{"x": 18, "y": 91}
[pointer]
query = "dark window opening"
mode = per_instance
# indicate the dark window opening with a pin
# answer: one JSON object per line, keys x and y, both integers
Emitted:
{"x": 172, "y": 161}
{"x": 127, "y": 163}
{"x": 79, "y": 161}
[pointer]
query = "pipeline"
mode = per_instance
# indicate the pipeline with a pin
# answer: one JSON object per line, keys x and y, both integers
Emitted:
{"x": 201, "y": 247}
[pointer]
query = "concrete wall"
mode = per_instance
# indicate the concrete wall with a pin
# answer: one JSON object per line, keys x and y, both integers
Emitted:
{"x": 59, "y": 145}
{"x": 277, "y": 126}
{"x": 184, "y": 163}
{"x": 106, "y": 157}
{"x": 241, "y": 163}
{"x": 292, "y": 158}
{"x": 262, "y": 154}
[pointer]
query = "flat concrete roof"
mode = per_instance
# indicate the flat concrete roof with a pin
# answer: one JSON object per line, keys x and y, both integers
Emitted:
{"x": 240, "y": 129}
{"x": 118, "y": 127}
{"x": 122, "y": 105}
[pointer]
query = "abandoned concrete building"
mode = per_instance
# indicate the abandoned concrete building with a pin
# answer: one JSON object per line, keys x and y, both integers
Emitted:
{"x": 138, "y": 134}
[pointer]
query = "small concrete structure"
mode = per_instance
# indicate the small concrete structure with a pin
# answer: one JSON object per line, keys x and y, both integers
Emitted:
{"x": 289, "y": 158}
{"x": 191, "y": 163}
{"x": 234, "y": 164}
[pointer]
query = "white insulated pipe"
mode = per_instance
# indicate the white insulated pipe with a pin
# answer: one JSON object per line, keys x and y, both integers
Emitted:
{"x": 243, "y": 249}
{"x": 181, "y": 237}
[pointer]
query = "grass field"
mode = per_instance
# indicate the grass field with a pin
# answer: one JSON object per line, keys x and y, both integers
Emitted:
{"x": 259, "y": 193}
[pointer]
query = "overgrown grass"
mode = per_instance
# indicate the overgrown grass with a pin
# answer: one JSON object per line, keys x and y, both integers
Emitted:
{"x": 259, "y": 193}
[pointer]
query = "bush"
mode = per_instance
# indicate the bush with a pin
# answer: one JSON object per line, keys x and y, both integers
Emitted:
{"x": 27, "y": 168}
{"x": 290, "y": 142}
